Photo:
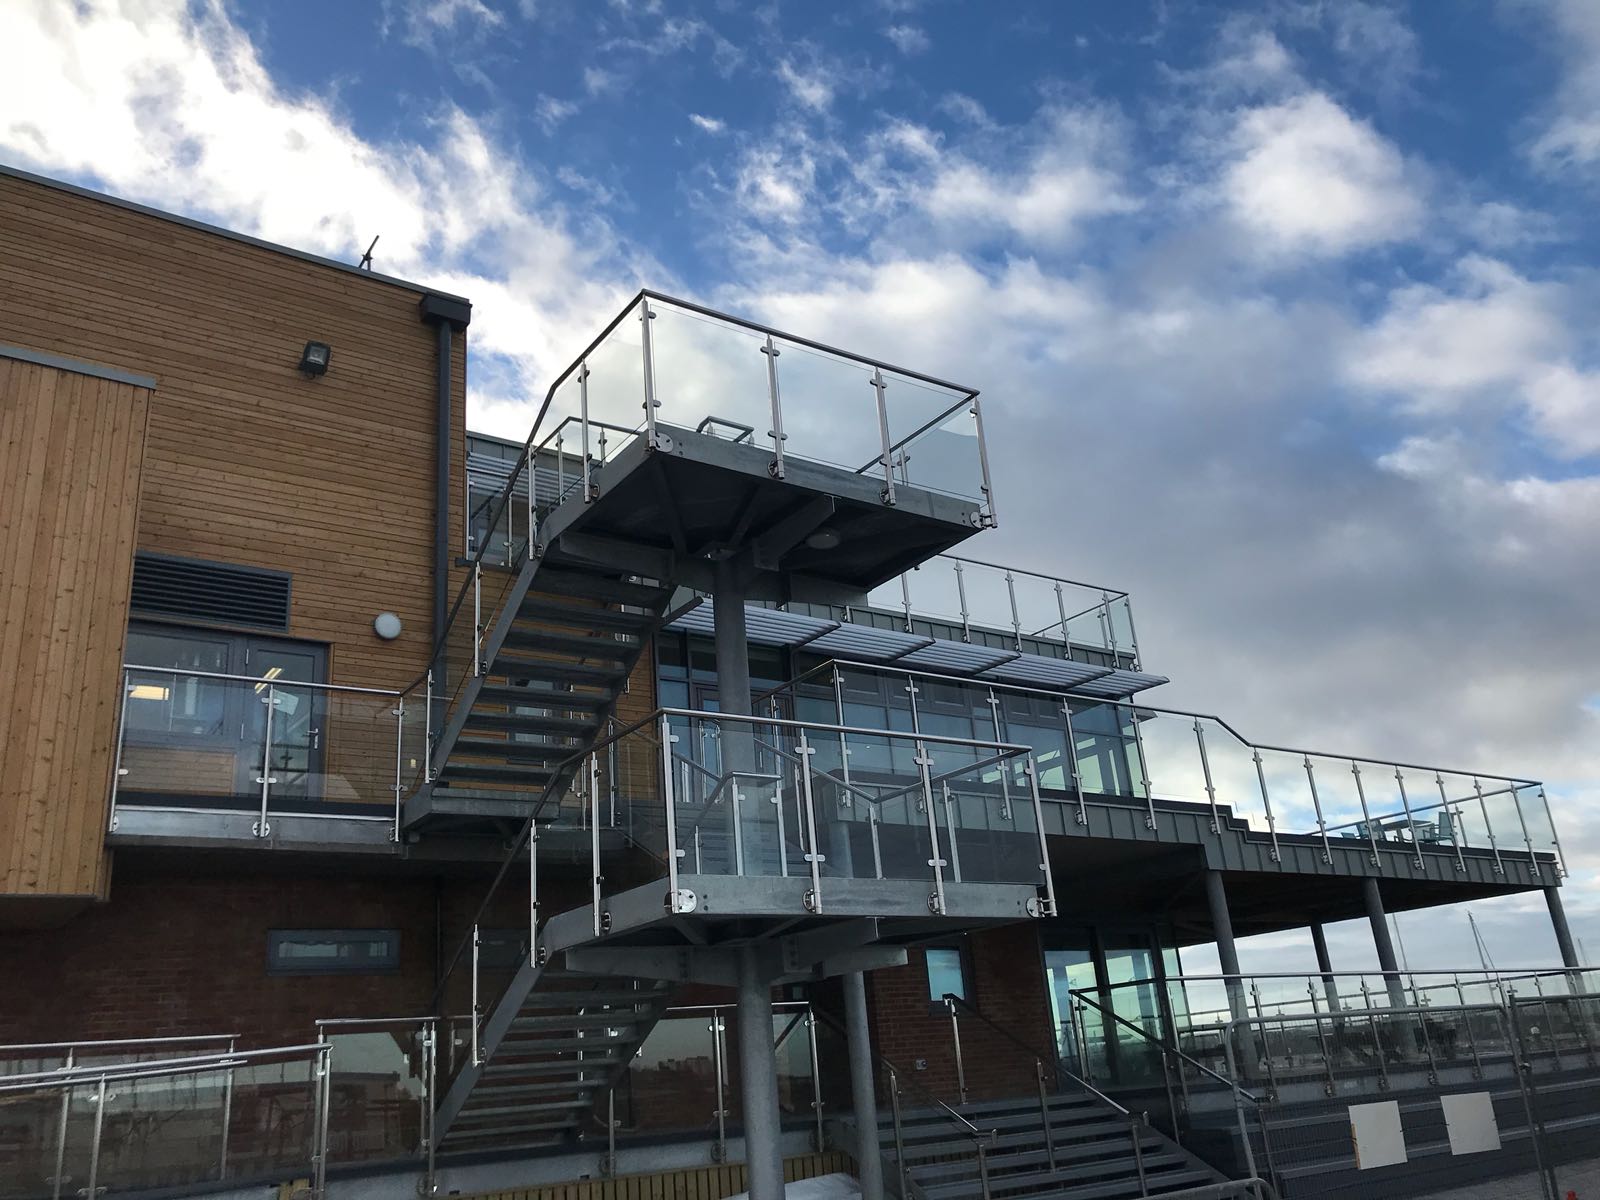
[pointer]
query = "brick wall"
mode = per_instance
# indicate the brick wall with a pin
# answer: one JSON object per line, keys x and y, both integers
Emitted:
{"x": 187, "y": 954}
{"x": 1008, "y": 987}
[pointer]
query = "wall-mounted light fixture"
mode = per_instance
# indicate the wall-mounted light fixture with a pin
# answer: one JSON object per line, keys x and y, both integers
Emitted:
{"x": 314, "y": 359}
{"x": 387, "y": 626}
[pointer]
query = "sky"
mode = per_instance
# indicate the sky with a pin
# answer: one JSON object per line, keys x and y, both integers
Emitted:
{"x": 1282, "y": 313}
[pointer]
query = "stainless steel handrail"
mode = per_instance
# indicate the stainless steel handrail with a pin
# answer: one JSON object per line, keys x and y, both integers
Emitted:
{"x": 257, "y": 679}
{"x": 14, "y": 1049}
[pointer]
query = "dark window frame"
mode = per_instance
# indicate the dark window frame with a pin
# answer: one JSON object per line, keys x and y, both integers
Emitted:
{"x": 968, "y": 993}
{"x": 387, "y": 963}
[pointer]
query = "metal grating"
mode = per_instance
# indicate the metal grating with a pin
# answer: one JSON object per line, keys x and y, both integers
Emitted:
{"x": 192, "y": 589}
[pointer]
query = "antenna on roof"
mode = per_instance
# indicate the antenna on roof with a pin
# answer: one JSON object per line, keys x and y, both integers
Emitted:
{"x": 366, "y": 259}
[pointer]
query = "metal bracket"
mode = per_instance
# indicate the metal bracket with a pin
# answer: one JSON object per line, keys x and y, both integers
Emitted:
{"x": 261, "y": 828}
{"x": 681, "y": 901}
{"x": 810, "y": 899}
{"x": 935, "y": 904}
{"x": 605, "y": 921}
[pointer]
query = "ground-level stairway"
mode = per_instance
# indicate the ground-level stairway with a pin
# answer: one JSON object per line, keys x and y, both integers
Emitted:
{"x": 570, "y": 1039}
{"x": 1091, "y": 1140}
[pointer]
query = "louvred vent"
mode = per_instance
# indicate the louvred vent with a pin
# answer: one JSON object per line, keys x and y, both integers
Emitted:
{"x": 217, "y": 593}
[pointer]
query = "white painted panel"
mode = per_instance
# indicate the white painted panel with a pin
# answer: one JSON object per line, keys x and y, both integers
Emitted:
{"x": 1375, "y": 1129}
{"x": 1469, "y": 1118}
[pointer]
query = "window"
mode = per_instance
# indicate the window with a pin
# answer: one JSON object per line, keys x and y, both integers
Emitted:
{"x": 947, "y": 974}
{"x": 332, "y": 951}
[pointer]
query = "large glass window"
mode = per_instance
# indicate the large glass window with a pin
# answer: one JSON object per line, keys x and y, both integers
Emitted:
{"x": 947, "y": 974}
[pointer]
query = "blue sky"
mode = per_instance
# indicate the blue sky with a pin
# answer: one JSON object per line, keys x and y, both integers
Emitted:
{"x": 1283, "y": 313}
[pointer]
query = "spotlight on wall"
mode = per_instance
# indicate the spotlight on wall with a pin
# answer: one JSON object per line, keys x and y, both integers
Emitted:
{"x": 314, "y": 359}
{"x": 387, "y": 626}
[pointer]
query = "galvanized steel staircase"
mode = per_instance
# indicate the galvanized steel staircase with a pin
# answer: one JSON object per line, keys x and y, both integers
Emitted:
{"x": 1092, "y": 1144}
{"x": 552, "y": 675}
{"x": 571, "y": 1039}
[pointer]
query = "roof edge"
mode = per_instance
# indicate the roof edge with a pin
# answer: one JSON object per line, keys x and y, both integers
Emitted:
{"x": 74, "y": 189}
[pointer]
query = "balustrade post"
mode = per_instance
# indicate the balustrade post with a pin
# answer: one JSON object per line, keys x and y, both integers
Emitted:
{"x": 775, "y": 467}
{"x": 1366, "y": 816}
{"x": 1411, "y": 824}
{"x": 533, "y": 892}
{"x": 988, "y": 517}
{"x": 719, "y": 1065}
{"x": 1454, "y": 817}
{"x": 901, "y": 1168}
{"x": 1016, "y": 617}
{"x": 1044, "y": 1114}
{"x": 1031, "y": 769}
{"x": 1144, "y": 768}
{"x": 961, "y": 597}
{"x": 1205, "y": 769}
{"x": 936, "y": 901}
{"x": 1316, "y": 803}
{"x": 589, "y": 490}
{"x": 650, "y": 401}
{"x": 117, "y": 769}
{"x": 427, "y": 730}
{"x": 1488, "y": 825}
{"x": 1555, "y": 838}
{"x": 227, "y": 1116}
{"x": 955, "y": 1045}
{"x": 814, "y": 857}
{"x": 1082, "y": 815}
{"x": 263, "y": 827}
{"x": 887, "y": 459}
{"x": 1266, "y": 803}
{"x": 93, "y": 1190}
{"x": 399, "y": 760}
{"x": 1061, "y": 609}
{"x": 477, "y": 618}
{"x": 63, "y": 1121}
{"x": 477, "y": 942}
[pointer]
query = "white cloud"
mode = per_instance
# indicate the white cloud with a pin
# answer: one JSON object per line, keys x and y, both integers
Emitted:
{"x": 549, "y": 112}
{"x": 811, "y": 88}
{"x": 1436, "y": 346}
{"x": 174, "y": 108}
{"x": 1307, "y": 178}
{"x": 424, "y": 22}
{"x": 1564, "y": 408}
{"x": 908, "y": 39}
{"x": 709, "y": 124}
{"x": 598, "y": 81}
{"x": 1569, "y": 133}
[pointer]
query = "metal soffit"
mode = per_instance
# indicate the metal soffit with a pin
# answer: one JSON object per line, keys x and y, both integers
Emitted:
{"x": 863, "y": 643}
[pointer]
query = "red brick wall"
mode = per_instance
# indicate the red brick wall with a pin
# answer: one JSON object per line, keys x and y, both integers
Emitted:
{"x": 186, "y": 955}
{"x": 1008, "y": 987}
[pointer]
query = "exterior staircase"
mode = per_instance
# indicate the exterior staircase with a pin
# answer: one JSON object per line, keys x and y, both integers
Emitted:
{"x": 571, "y": 1038}
{"x": 555, "y": 666}
{"x": 1091, "y": 1142}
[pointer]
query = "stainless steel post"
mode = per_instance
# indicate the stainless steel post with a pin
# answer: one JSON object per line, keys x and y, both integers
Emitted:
{"x": 649, "y": 369}
{"x": 227, "y": 1116}
{"x": 1555, "y": 838}
{"x": 935, "y": 901}
{"x": 1082, "y": 815}
{"x": 116, "y": 766}
{"x": 816, "y": 1075}
{"x": 1134, "y": 1132}
{"x": 1144, "y": 769}
{"x": 1366, "y": 816}
{"x": 814, "y": 857}
{"x": 983, "y": 462}
{"x": 901, "y": 1168}
{"x": 324, "y": 1069}
{"x": 1524, "y": 1072}
{"x": 1411, "y": 825}
{"x": 1031, "y": 769}
{"x": 1016, "y": 619}
{"x": 1205, "y": 770}
{"x": 1316, "y": 803}
{"x": 1044, "y": 1114}
{"x": 430, "y": 1103}
{"x": 477, "y": 618}
{"x": 955, "y": 1046}
{"x": 1238, "y": 1101}
{"x": 477, "y": 1061}
{"x": 883, "y": 433}
{"x": 1266, "y": 803}
{"x": 399, "y": 752}
{"x": 1453, "y": 817}
{"x": 262, "y": 827}
{"x": 775, "y": 467}
{"x": 950, "y": 830}
{"x": 61, "y": 1130}
{"x": 583, "y": 417}
{"x": 961, "y": 598}
{"x": 719, "y": 1067}
{"x": 1527, "y": 838}
{"x": 983, "y": 1166}
{"x": 1110, "y": 625}
{"x": 427, "y": 730}
{"x": 667, "y": 740}
{"x": 1483, "y": 807}
{"x": 93, "y": 1190}
{"x": 533, "y": 892}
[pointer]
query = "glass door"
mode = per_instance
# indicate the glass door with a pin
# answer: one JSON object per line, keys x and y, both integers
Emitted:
{"x": 1067, "y": 971}
{"x": 299, "y": 716}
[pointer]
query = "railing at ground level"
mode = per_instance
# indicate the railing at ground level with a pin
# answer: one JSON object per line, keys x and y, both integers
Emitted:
{"x": 240, "y": 1117}
{"x": 33, "y": 1058}
{"x": 265, "y": 745}
{"x": 1088, "y": 747}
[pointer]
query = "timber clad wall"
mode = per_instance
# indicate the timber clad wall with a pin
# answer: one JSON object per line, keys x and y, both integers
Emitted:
{"x": 71, "y": 445}
{"x": 247, "y": 460}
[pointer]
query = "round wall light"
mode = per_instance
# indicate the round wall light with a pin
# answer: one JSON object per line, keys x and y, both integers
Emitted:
{"x": 387, "y": 626}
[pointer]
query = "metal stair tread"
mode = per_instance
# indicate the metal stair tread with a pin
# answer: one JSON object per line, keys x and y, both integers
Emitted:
{"x": 1062, "y": 1125}
{"x": 522, "y": 666}
{"x": 608, "y": 648}
{"x": 523, "y": 722}
{"x": 933, "y": 1183}
{"x": 542, "y": 697}
{"x": 546, "y": 608}
{"x": 930, "y": 1151}
{"x": 519, "y": 751}
{"x": 1020, "y": 1155}
{"x": 569, "y": 580}
{"x": 1128, "y": 1188}
{"x": 532, "y": 1069}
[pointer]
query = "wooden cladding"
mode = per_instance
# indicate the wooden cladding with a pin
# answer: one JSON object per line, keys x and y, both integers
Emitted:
{"x": 71, "y": 449}
{"x": 248, "y": 462}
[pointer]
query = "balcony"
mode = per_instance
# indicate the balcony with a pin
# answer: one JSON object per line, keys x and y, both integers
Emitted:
{"x": 1105, "y": 760}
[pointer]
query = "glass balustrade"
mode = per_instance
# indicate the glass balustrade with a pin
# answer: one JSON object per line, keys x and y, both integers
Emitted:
{"x": 271, "y": 747}
{"x": 1094, "y": 751}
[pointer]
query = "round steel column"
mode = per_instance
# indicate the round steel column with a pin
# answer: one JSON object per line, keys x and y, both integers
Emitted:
{"x": 869, "y": 1156}
{"x": 758, "y": 1082}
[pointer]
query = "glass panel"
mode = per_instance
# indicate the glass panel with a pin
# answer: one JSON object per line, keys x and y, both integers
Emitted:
{"x": 1107, "y": 755}
{"x": 711, "y": 369}
{"x": 616, "y": 377}
{"x": 1171, "y": 756}
{"x": 830, "y": 412}
{"x": 1233, "y": 773}
{"x": 272, "y": 1125}
{"x": 33, "y": 1126}
{"x": 376, "y": 1092}
{"x": 1067, "y": 971}
{"x": 337, "y": 747}
{"x": 797, "y": 1091}
{"x": 671, "y": 1083}
{"x": 934, "y": 436}
{"x": 946, "y": 973}
{"x": 1289, "y": 790}
{"x": 164, "y": 1131}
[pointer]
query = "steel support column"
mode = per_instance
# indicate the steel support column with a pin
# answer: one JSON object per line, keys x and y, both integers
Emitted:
{"x": 869, "y": 1159}
{"x": 1379, "y": 920}
{"x": 1319, "y": 942}
{"x": 1558, "y": 919}
{"x": 1227, "y": 952}
{"x": 758, "y": 1078}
